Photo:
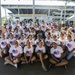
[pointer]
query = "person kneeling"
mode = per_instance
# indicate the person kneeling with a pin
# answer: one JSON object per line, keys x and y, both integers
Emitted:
{"x": 15, "y": 53}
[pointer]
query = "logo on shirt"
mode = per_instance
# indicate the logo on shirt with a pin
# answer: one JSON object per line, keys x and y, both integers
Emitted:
{"x": 43, "y": 26}
{"x": 62, "y": 43}
{"x": 28, "y": 52}
{"x": 37, "y": 43}
{"x": 69, "y": 45}
{"x": 4, "y": 43}
{"x": 22, "y": 43}
{"x": 12, "y": 42}
{"x": 56, "y": 52}
{"x": 52, "y": 28}
{"x": 40, "y": 50}
{"x": 17, "y": 36}
{"x": 15, "y": 51}
{"x": 47, "y": 42}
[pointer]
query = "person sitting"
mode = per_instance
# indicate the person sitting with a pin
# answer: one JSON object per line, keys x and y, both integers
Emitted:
{"x": 40, "y": 53}
{"x": 28, "y": 53}
{"x": 15, "y": 53}
{"x": 57, "y": 56}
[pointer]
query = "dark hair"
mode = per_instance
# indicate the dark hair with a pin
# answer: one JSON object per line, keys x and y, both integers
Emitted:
{"x": 69, "y": 36}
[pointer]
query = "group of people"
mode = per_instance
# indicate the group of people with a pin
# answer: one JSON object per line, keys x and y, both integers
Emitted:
{"x": 27, "y": 44}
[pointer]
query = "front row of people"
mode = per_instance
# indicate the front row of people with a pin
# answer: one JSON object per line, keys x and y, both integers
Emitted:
{"x": 57, "y": 55}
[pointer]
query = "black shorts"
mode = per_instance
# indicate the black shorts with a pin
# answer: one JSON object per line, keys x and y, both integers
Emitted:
{"x": 35, "y": 55}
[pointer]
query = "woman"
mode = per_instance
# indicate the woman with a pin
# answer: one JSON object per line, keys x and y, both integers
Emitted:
{"x": 11, "y": 40}
{"x": 71, "y": 47}
{"x": 17, "y": 33}
{"x": 3, "y": 46}
{"x": 40, "y": 52}
{"x": 48, "y": 42}
{"x": 22, "y": 41}
{"x": 28, "y": 53}
{"x": 57, "y": 55}
{"x": 15, "y": 53}
{"x": 38, "y": 40}
{"x": 62, "y": 40}
{"x": 31, "y": 39}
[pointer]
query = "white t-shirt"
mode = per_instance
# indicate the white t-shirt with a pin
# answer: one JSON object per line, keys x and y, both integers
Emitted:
{"x": 70, "y": 45}
{"x": 43, "y": 27}
{"x": 8, "y": 26}
{"x": 16, "y": 26}
{"x": 28, "y": 51}
{"x": 63, "y": 42}
{"x": 32, "y": 41}
{"x": 7, "y": 34}
{"x": 56, "y": 52}
{"x": 15, "y": 51}
{"x": 16, "y": 35}
{"x": 22, "y": 42}
{"x": 48, "y": 41}
{"x": 3, "y": 43}
{"x": 26, "y": 34}
{"x": 37, "y": 42}
{"x": 11, "y": 41}
{"x": 58, "y": 42}
{"x": 42, "y": 49}
{"x": 32, "y": 33}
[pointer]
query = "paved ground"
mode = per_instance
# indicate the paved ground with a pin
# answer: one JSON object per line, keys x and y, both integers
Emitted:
{"x": 35, "y": 69}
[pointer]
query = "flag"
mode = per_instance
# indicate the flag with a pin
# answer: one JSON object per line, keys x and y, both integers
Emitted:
{"x": 4, "y": 43}
{"x": 15, "y": 51}
{"x": 69, "y": 45}
{"x": 56, "y": 52}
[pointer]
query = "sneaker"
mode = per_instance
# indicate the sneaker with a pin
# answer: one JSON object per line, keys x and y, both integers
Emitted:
{"x": 23, "y": 62}
{"x": 15, "y": 65}
{"x": 32, "y": 62}
{"x": 44, "y": 68}
{"x": 5, "y": 63}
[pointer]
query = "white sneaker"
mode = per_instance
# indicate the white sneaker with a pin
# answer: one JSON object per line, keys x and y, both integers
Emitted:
{"x": 15, "y": 65}
{"x": 44, "y": 68}
{"x": 23, "y": 62}
{"x": 5, "y": 63}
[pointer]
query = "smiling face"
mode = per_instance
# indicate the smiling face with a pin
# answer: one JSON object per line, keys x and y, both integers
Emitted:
{"x": 30, "y": 37}
{"x": 22, "y": 36}
{"x": 3, "y": 36}
{"x": 55, "y": 37}
{"x": 54, "y": 45}
{"x": 69, "y": 37}
{"x": 11, "y": 36}
{"x": 40, "y": 44}
{"x": 16, "y": 43}
{"x": 28, "y": 44}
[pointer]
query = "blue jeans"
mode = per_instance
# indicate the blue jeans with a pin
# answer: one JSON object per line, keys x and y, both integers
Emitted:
{"x": 70, "y": 56}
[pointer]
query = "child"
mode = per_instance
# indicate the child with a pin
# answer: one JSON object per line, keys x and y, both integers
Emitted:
{"x": 16, "y": 33}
